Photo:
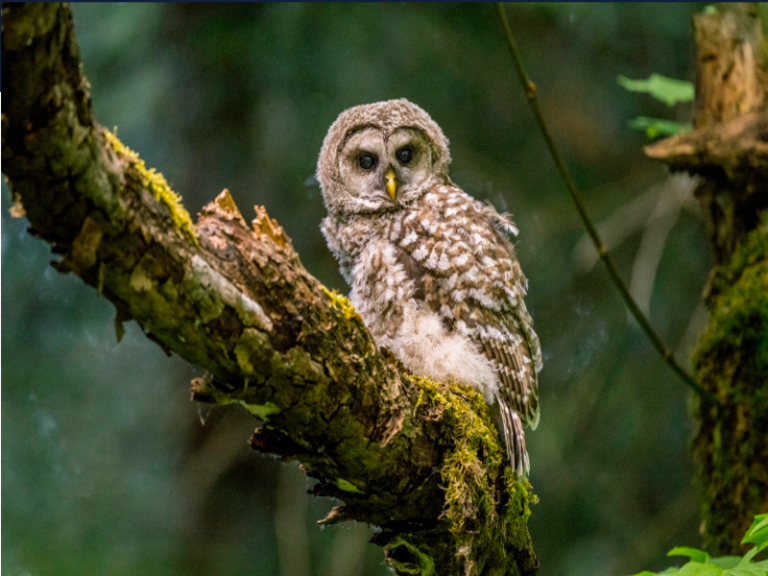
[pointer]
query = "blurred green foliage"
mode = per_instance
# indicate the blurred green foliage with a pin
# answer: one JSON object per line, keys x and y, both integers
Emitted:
{"x": 702, "y": 564}
{"x": 655, "y": 127}
{"x": 667, "y": 90}
{"x": 107, "y": 467}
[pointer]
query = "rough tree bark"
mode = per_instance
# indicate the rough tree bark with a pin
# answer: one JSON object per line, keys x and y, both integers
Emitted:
{"x": 729, "y": 151}
{"x": 417, "y": 458}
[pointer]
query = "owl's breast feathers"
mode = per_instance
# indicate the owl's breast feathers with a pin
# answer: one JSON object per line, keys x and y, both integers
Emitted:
{"x": 451, "y": 253}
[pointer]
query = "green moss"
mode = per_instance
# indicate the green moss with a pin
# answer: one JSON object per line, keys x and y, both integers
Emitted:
{"x": 252, "y": 346}
{"x": 154, "y": 181}
{"x": 140, "y": 280}
{"x": 423, "y": 565}
{"x": 262, "y": 412}
{"x": 753, "y": 250}
{"x": 732, "y": 361}
{"x": 740, "y": 315}
{"x": 471, "y": 474}
{"x": 347, "y": 486}
{"x": 518, "y": 508}
{"x": 342, "y": 303}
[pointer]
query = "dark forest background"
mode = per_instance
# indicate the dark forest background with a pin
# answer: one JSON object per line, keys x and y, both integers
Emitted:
{"x": 108, "y": 468}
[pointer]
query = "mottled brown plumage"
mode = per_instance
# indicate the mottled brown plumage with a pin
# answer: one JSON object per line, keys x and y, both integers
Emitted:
{"x": 432, "y": 271}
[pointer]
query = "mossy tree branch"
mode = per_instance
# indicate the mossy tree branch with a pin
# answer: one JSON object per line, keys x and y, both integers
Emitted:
{"x": 729, "y": 151}
{"x": 418, "y": 459}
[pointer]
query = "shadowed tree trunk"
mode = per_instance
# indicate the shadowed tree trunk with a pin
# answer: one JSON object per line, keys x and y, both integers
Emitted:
{"x": 417, "y": 458}
{"x": 729, "y": 151}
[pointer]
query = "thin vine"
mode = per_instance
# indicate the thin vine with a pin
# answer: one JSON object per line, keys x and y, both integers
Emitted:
{"x": 529, "y": 88}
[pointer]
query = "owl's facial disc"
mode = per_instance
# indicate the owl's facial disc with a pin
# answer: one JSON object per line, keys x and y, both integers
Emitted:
{"x": 410, "y": 157}
{"x": 381, "y": 173}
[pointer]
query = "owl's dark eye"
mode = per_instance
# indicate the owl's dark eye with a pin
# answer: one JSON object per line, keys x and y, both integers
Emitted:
{"x": 405, "y": 154}
{"x": 366, "y": 161}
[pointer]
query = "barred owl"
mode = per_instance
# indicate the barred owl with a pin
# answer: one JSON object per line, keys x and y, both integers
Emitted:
{"x": 431, "y": 270}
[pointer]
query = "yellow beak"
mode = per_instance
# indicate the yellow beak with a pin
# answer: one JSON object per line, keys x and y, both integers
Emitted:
{"x": 391, "y": 183}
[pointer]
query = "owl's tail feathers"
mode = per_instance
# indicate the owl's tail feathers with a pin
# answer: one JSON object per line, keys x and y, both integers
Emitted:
{"x": 514, "y": 438}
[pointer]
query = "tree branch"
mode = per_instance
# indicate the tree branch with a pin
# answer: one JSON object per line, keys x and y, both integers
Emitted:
{"x": 735, "y": 148}
{"x": 529, "y": 88}
{"x": 417, "y": 458}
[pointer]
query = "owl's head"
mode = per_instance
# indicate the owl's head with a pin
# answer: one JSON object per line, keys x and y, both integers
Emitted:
{"x": 380, "y": 157}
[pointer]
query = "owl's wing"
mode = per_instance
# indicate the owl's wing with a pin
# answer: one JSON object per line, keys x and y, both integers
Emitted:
{"x": 517, "y": 355}
{"x": 505, "y": 336}
{"x": 514, "y": 355}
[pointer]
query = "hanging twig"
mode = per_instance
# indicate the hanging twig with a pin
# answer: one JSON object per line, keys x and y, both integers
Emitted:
{"x": 530, "y": 94}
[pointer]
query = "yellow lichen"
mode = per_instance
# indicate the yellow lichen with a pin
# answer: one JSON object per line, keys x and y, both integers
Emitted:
{"x": 342, "y": 303}
{"x": 154, "y": 181}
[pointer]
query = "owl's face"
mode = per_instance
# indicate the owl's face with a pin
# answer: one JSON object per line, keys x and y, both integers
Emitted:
{"x": 381, "y": 172}
{"x": 381, "y": 157}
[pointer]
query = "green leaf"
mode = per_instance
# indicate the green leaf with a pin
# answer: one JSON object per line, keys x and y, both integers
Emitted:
{"x": 726, "y": 561}
{"x": 672, "y": 570}
{"x": 655, "y": 127}
{"x": 668, "y": 90}
{"x": 748, "y": 557}
{"x": 694, "y": 554}
{"x": 759, "y": 569}
{"x": 758, "y": 532}
{"x": 700, "y": 569}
